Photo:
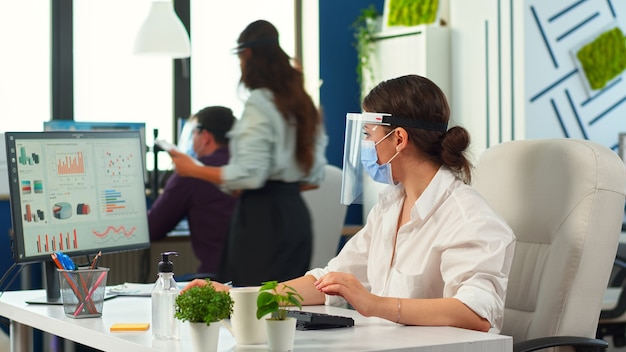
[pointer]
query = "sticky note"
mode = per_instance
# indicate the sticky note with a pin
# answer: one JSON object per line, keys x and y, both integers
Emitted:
{"x": 130, "y": 327}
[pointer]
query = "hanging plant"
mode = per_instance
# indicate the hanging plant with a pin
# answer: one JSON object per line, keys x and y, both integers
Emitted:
{"x": 365, "y": 27}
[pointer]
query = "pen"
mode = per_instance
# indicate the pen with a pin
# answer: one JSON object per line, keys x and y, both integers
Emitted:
{"x": 93, "y": 289}
{"x": 90, "y": 305}
{"x": 65, "y": 261}
{"x": 94, "y": 265}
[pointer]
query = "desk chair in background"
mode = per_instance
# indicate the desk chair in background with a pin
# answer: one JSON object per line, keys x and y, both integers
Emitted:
{"x": 327, "y": 216}
{"x": 613, "y": 315}
{"x": 564, "y": 200}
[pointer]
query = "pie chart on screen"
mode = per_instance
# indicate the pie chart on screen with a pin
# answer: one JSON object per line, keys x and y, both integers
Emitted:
{"x": 62, "y": 210}
{"x": 83, "y": 209}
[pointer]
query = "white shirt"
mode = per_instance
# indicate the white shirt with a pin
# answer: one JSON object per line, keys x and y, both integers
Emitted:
{"x": 454, "y": 245}
{"x": 263, "y": 147}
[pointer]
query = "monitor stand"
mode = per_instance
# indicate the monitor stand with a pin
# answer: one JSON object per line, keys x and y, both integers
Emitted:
{"x": 53, "y": 290}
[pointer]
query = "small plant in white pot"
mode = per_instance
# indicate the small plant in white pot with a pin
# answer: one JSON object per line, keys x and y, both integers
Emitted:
{"x": 276, "y": 299}
{"x": 201, "y": 307}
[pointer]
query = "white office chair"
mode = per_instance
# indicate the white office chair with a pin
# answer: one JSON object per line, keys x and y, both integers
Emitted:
{"x": 327, "y": 216}
{"x": 564, "y": 199}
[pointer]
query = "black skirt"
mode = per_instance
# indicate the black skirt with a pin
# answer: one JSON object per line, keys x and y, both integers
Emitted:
{"x": 270, "y": 237}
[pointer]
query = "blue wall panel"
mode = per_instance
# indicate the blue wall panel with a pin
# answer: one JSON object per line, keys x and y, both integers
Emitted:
{"x": 340, "y": 92}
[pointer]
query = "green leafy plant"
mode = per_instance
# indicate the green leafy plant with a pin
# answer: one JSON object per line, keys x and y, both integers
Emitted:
{"x": 412, "y": 12}
{"x": 365, "y": 27}
{"x": 274, "y": 298}
{"x": 604, "y": 58}
{"x": 203, "y": 304}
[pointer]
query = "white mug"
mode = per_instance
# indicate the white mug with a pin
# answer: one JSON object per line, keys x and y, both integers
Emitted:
{"x": 247, "y": 329}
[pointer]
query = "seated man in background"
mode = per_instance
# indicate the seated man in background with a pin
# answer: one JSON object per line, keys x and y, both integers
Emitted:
{"x": 207, "y": 209}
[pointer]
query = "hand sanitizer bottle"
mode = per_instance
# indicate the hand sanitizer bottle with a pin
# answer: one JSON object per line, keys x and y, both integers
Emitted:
{"x": 164, "y": 293}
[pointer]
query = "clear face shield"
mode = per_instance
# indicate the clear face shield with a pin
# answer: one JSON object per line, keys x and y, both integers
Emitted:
{"x": 185, "y": 139}
{"x": 352, "y": 178}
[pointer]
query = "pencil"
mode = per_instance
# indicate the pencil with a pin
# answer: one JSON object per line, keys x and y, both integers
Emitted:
{"x": 94, "y": 263}
{"x": 88, "y": 297}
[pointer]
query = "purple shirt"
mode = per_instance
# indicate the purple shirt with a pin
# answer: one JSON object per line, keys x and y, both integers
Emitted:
{"x": 207, "y": 208}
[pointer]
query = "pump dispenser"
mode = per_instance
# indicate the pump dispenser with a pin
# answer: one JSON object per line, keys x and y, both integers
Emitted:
{"x": 164, "y": 324}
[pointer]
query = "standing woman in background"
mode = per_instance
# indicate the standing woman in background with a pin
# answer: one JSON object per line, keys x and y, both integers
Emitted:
{"x": 277, "y": 149}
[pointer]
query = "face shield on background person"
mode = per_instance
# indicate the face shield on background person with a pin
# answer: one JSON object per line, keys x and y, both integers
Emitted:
{"x": 185, "y": 139}
{"x": 352, "y": 178}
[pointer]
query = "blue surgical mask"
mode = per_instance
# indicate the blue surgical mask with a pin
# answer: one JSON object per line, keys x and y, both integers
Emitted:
{"x": 369, "y": 159}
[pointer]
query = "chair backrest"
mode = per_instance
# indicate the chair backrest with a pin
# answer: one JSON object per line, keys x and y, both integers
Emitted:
{"x": 327, "y": 216}
{"x": 564, "y": 200}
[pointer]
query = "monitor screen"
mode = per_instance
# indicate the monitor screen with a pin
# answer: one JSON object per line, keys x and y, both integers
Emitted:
{"x": 76, "y": 192}
{"x": 71, "y": 125}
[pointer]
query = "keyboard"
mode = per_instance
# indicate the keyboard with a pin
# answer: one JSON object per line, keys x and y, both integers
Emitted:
{"x": 317, "y": 321}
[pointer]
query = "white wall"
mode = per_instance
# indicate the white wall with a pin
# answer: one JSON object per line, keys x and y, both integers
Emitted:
{"x": 514, "y": 75}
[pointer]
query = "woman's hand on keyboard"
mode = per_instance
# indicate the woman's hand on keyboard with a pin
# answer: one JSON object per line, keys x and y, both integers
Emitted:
{"x": 348, "y": 287}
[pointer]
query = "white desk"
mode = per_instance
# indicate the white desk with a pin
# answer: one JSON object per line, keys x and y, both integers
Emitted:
{"x": 368, "y": 334}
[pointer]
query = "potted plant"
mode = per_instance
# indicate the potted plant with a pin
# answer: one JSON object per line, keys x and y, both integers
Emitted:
{"x": 365, "y": 26}
{"x": 201, "y": 306}
{"x": 276, "y": 299}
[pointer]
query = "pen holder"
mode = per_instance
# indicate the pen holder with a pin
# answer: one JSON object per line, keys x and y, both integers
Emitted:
{"x": 82, "y": 291}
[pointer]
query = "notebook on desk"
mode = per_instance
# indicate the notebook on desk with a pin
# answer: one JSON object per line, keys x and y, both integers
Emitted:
{"x": 137, "y": 289}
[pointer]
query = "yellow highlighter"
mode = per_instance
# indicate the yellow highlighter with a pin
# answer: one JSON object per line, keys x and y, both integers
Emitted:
{"x": 130, "y": 327}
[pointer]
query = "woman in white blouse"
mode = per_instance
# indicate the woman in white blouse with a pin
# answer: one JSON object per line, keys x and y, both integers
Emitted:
{"x": 432, "y": 251}
{"x": 276, "y": 149}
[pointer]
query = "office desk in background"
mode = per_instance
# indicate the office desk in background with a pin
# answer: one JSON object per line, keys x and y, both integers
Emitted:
{"x": 368, "y": 334}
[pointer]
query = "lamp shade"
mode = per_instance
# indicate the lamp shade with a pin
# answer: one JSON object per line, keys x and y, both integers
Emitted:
{"x": 162, "y": 33}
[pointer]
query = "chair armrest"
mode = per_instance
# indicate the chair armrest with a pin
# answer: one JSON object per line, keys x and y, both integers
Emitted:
{"x": 578, "y": 343}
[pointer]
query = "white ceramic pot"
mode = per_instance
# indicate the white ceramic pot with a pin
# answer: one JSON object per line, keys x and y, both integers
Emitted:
{"x": 203, "y": 337}
{"x": 281, "y": 334}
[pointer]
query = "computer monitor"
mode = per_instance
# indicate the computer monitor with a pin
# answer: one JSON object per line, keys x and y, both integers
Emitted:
{"x": 76, "y": 192}
{"x": 4, "y": 180}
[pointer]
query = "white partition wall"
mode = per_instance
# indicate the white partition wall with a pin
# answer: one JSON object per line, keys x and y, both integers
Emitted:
{"x": 514, "y": 74}
{"x": 483, "y": 86}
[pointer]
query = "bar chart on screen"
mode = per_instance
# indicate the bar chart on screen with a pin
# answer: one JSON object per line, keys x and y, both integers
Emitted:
{"x": 70, "y": 163}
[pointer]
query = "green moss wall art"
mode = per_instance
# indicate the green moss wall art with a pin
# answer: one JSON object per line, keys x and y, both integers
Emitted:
{"x": 604, "y": 58}
{"x": 411, "y": 12}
